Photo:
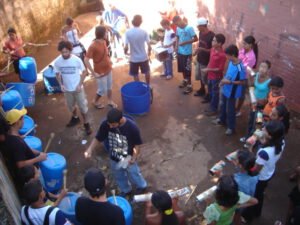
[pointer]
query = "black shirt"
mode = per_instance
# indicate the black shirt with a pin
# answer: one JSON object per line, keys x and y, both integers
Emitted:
{"x": 89, "y": 212}
{"x": 295, "y": 196}
{"x": 204, "y": 42}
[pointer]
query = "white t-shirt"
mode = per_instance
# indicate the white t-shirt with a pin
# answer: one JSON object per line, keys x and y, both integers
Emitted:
{"x": 72, "y": 36}
{"x": 169, "y": 38}
{"x": 267, "y": 158}
{"x": 137, "y": 38}
{"x": 70, "y": 70}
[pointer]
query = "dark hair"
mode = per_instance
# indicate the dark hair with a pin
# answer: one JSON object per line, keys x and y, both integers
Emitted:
{"x": 137, "y": 20}
{"x": 11, "y": 30}
{"x": 64, "y": 44}
{"x": 26, "y": 173}
{"x": 276, "y": 130}
{"x": 69, "y": 21}
{"x": 232, "y": 50}
{"x": 162, "y": 201}
{"x": 114, "y": 116}
{"x": 176, "y": 19}
{"x": 267, "y": 62}
{"x": 32, "y": 191}
{"x": 220, "y": 38}
{"x": 247, "y": 160}
{"x": 284, "y": 113}
{"x": 100, "y": 32}
{"x": 251, "y": 41}
{"x": 164, "y": 22}
{"x": 276, "y": 81}
{"x": 227, "y": 192}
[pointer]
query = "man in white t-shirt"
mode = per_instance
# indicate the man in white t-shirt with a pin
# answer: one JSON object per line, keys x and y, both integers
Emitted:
{"x": 70, "y": 73}
{"x": 135, "y": 40}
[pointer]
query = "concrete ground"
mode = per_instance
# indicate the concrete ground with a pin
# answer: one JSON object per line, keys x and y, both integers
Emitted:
{"x": 180, "y": 146}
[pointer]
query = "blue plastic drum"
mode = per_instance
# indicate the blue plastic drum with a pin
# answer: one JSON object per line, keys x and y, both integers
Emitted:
{"x": 28, "y": 72}
{"x": 136, "y": 98}
{"x": 67, "y": 206}
{"x": 34, "y": 143}
{"x": 11, "y": 99}
{"x": 52, "y": 170}
{"x": 125, "y": 206}
{"x": 26, "y": 90}
{"x": 28, "y": 125}
{"x": 50, "y": 81}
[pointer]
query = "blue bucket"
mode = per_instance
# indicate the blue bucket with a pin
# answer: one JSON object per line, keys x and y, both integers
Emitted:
{"x": 124, "y": 205}
{"x": 136, "y": 98}
{"x": 67, "y": 206}
{"x": 28, "y": 125}
{"x": 27, "y": 67}
{"x": 26, "y": 90}
{"x": 52, "y": 170}
{"x": 34, "y": 143}
{"x": 11, "y": 99}
{"x": 50, "y": 82}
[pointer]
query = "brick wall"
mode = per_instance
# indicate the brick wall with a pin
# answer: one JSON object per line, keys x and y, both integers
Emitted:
{"x": 276, "y": 26}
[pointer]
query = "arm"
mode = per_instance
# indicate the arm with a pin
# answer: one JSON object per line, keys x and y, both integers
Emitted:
{"x": 252, "y": 201}
{"x": 77, "y": 28}
{"x": 136, "y": 152}
{"x": 149, "y": 48}
{"x": 194, "y": 39}
{"x": 41, "y": 157}
{"x": 126, "y": 49}
{"x": 95, "y": 144}
{"x": 59, "y": 80}
{"x": 59, "y": 197}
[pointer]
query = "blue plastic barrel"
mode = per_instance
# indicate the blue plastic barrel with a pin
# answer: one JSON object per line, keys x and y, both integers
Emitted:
{"x": 52, "y": 170}
{"x": 11, "y": 99}
{"x": 28, "y": 125}
{"x": 136, "y": 98}
{"x": 34, "y": 143}
{"x": 26, "y": 90}
{"x": 124, "y": 205}
{"x": 50, "y": 82}
{"x": 67, "y": 206}
{"x": 27, "y": 67}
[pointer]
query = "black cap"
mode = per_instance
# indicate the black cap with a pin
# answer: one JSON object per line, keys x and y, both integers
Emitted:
{"x": 94, "y": 181}
{"x": 114, "y": 116}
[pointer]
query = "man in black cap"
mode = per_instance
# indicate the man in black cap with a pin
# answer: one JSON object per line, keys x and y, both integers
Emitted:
{"x": 123, "y": 139}
{"x": 96, "y": 209}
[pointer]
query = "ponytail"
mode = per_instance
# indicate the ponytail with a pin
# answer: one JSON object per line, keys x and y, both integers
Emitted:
{"x": 276, "y": 130}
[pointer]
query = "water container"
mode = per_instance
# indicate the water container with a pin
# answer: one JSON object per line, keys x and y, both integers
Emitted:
{"x": 50, "y": 82}
{"x": 136, "y": 98}
{"x": 27, "y": 67}
{"x": 34, "y": 143}
{"x": 67, "y": 206}
{"x": 124, "y": 205}
{"x": 52, "y": 170}
{"x": 26, "y": 90}
{"x": 11, "y": 99}
{"x": 28, "y": 125}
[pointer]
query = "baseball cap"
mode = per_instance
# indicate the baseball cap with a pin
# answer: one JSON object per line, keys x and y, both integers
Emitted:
{"x": 202, "y": 21}
{"x": 14, "y": 115}
{"x": 94, "y": 181}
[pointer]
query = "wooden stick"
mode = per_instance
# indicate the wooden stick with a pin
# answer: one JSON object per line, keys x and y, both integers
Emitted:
{"x": 29, "y": 131}
{"x": 65, "y": 178}
{"x": 49, "y": 142}
{"x": 191, "y": 194}
{"x": 114, "y": 195}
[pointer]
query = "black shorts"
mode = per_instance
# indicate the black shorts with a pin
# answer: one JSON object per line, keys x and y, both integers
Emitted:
{"x": 135, "y": 66}
{"x": 184, "y": 63}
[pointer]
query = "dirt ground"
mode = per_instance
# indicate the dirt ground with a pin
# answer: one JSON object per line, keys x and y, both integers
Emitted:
{"x": 180, "y": 146}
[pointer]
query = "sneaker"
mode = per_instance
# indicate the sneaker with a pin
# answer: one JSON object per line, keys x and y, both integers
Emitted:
{"x": 238, "y": 114}
{"x": 188, "y": 89}
{"x": 74, "y": 121}
{"x": 229, "y": 132}
{"x": 243, "y": 139}
{"x": 199, "y": 93}
{"x": 183, "y": 84}
{"x": 217, "y": 122}
{"x": 87, "y": 128}
{"x": 169, "y": 77}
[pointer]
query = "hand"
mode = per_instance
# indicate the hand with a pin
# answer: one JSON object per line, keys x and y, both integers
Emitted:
{"x": 63, "y": 193}
{"x": 42, "y": 156}
{"x": 181, "y": 44}
{"x": 63, "y": 89}
{"x": 149, "y": 204}
{"x": 205, "y": 70}
{"x": 133, "y": 159}
{"x": 78, "y": 88}
{"x": 88, "y": 153}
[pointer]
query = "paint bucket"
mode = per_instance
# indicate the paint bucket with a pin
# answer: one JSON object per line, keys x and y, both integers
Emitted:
{"x": 26, "y": 90}
{"x": 67, "y": 206}
{"x": 50, "y": 82}
{"x": 124, "y": 205}
{"x": 34, "y": 143}
{"x": 11, "y": 99}
{"x": 27, "y": 67}
{"x": 28, "y": 125}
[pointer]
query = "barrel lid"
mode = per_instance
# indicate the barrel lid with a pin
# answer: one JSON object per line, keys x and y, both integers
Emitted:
{"x": 28, "y": 124}
{"x": 122, "y": 203}
{"x": 67, "y": 204}
{"x": 11, "y": 97}
{"x": 49, "y": 72}
{"x": 32, "y": 140}
{"x": 54, "y": 161}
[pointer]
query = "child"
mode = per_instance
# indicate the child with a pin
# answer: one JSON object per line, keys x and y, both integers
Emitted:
{"x": 228, "y": 199}
{"x": 168, "y": 43}
{"x": 282, "y": 114}
{"x": 232, "y": 85}
{"x": 168, "y": 210}
{"x": 214, "y": 71}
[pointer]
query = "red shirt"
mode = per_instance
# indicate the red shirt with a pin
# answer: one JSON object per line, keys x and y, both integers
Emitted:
{"x": 15, "y": 45}
{"x": 217, "y": 60}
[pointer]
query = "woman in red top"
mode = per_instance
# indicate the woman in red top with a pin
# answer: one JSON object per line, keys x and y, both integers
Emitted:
{"x": 14, "y": 47}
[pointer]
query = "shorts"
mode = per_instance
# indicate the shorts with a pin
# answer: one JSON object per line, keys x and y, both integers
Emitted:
{"x": 104, "y": 84}
{"x": 199, "y": 75}
{"x": 244, "y": 90}
{"x": 73, "y": 98}
{"x": 135, "y": 66}
{"x": 184, "y": 63}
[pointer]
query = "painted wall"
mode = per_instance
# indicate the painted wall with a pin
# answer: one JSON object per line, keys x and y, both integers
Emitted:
{"x": 276, "y": 26}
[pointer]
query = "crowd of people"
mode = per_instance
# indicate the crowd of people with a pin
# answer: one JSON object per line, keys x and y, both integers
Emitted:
{"x": 226, "y": 75}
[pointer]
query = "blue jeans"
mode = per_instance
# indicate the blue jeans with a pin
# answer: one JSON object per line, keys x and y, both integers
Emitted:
{"x": 168, "y": 65}
{"x": 227, "y": 112}
{"x": 125, "y": 177}
{"x": 213, "y": 89}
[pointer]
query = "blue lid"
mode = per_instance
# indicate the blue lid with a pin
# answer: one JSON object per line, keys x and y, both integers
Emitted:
{"x": 28, "y": 124}
{"x": 49, "y": 72}
{"x": 67, "y": 204}
{"x": 122, "y": 203}
{"x": 54, "y": 161}
{"x": 33, "y": 142}
{"x": 11, "y": 99}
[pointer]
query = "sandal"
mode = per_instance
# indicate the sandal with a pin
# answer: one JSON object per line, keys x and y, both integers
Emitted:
{"x": 98, "y": 106}
{"x": 112, "y": 105}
